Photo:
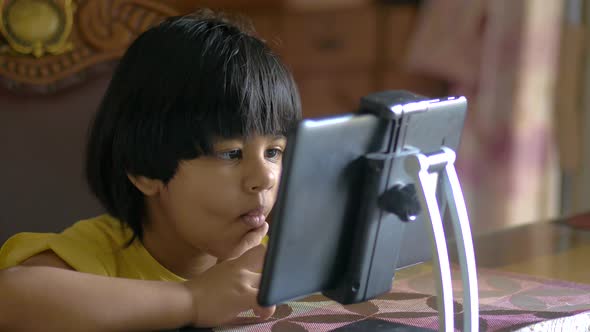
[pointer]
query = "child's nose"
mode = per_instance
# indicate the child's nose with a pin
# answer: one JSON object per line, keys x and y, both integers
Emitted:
{"x": 260, "y": 177}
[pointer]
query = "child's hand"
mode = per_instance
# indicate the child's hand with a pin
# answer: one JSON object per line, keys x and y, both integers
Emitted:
{"x": 227, "y": 289}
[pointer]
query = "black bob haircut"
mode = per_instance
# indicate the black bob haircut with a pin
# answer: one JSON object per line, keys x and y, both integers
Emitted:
{"x": 179, "y": 86}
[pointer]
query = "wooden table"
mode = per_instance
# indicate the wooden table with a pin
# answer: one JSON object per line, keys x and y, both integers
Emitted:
{"x": 548, "y": 249}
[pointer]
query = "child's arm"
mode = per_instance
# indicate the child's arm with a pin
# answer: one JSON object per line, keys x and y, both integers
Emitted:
{"x": 52, "y": 298}
{"x": 41, "y": 298}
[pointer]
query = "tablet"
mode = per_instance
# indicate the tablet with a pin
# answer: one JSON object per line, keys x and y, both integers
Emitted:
{"x": 329, "y": 232}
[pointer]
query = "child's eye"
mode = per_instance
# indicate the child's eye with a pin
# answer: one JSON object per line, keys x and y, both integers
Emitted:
{"x": 230, "y": 155}
{"x": 273, "y": 154}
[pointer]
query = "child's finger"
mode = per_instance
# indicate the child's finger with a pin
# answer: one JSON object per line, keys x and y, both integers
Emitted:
{"x": 249, "y": 300}
{"x": 261, "y": 312}
{"x": 264, "y": 312}
{"x": 252, "y": 259}
{"x": 254, "y": 238}
{"x": 252, "y": 278}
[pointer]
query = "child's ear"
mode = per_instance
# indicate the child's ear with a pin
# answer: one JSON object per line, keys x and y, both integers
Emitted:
{"x": 147, "y": 186}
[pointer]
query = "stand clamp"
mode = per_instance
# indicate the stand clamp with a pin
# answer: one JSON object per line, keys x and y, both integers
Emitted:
{"x": 401, "y": 200}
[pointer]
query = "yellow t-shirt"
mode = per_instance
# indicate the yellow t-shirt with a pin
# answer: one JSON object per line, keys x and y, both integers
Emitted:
{"x": 96, "y": 246}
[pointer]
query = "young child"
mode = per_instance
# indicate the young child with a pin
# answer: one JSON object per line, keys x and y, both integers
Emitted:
{"x": 185, "y": 155}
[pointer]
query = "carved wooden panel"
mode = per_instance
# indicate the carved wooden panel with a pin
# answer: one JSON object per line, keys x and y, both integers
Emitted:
{"x": 47, "y": 55}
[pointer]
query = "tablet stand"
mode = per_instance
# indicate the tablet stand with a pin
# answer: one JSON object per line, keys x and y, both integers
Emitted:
{"x": 423, "y": 169}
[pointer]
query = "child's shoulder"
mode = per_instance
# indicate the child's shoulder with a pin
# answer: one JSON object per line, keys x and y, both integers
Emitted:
{"x": 86, "y": 245}
{"x": 103, "y": 230}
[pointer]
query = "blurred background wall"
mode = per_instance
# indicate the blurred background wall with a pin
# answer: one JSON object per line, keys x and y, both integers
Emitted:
{"x": 56, "y": 57}
{"x": 503, "y": 55}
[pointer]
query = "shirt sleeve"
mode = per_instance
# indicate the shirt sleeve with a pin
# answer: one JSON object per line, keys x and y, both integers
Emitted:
{"x": 23, "y": 246}
{"x": 80, "y": 247}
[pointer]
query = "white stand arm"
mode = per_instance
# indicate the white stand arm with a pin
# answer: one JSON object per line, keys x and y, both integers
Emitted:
{"x": 421, "y": 167}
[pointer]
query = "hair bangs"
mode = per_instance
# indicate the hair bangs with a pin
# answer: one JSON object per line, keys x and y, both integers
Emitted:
{"x": 255, "y": 95}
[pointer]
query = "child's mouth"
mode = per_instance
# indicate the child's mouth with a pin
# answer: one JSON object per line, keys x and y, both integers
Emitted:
{"x": 253, "y": 219}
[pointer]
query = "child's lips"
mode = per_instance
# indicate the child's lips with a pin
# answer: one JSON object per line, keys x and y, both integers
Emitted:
{"x": 253, "y": 219}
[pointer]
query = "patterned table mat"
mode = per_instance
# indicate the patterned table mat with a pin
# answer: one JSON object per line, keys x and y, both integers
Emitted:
{"x": 508, "y": 302}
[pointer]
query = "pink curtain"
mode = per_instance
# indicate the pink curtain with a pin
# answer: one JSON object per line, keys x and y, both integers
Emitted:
{"x": 501, "y": 55}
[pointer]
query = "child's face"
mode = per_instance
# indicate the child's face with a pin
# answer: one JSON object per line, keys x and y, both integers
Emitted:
{"x": 219, "y": 203}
